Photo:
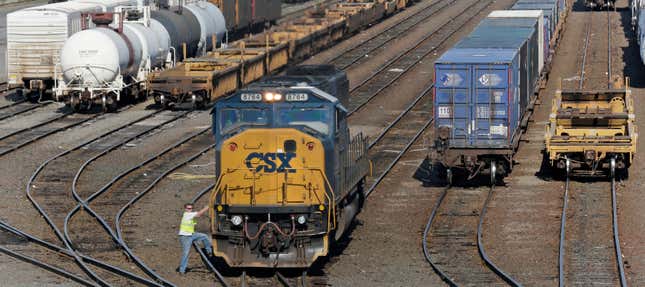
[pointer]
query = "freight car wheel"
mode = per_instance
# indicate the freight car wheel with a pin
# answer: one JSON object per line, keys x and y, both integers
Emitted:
{"x": 449, "y": 176}
{"x": 75, "y": 103}
{"x": 493, "y": 173}
{"x": 612, "y": 167}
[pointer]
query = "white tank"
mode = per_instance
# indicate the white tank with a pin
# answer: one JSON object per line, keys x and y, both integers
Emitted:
{"x": 98, "y": 55}
{"x": 211, "y": 22}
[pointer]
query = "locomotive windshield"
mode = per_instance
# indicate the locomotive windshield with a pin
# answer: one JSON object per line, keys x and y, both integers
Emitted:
{"x": 314, "y": 118}
{"x": 232, "y": 119}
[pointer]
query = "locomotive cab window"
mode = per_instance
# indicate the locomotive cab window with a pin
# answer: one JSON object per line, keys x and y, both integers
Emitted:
{"x": 313, "y": 118}
{"x": 232, "y": 119}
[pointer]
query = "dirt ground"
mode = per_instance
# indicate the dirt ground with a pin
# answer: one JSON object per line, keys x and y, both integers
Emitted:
{"x": 384, "y": 249}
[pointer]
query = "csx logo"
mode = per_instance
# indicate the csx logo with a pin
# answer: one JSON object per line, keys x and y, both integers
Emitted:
{"x": 270, "y": 162}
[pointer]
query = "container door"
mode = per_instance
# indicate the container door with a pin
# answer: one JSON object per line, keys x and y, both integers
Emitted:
{"x": 452, "y": 101}
{"x": 490, "y": 112}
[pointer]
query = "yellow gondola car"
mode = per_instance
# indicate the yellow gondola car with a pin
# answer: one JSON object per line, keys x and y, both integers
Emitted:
{"x": 592, "y": 131}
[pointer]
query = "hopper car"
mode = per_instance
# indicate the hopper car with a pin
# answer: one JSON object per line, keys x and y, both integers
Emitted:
{"x": 485, "y": 90}
{"x": 290, "y": 177}
{"x": 221, "y": 72}
{"x": 592, "y": 132}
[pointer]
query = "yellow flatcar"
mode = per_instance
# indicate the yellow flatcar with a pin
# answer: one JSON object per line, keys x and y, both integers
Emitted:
{"x": 592, "y": 131}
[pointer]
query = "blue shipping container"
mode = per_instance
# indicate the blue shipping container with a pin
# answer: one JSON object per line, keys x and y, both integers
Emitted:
{"x": 477, "y": 96}
{"x": 550, "y": 16}
{"x": 496, "y": 33}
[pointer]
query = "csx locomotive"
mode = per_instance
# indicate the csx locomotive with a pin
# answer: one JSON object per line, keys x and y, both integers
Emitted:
{"x": 290, "y": 178}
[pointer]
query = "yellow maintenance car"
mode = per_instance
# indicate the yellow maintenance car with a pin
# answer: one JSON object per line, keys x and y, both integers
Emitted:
{"x": 592, "y": 132}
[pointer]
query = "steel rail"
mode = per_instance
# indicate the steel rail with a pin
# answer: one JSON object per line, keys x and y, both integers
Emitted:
{"x": 282, "y": 279}
{"x": 424, "y": 242}
{"x": 12, "y": 104}
{"x": 563, "y": 221}
{"x": 480, "y": 245}
{"x": 119, "y": 215}
{"x": 408, "y": 51}
{"x": 64, "y": 251}
{"x": 48, "y": 133}
{"x": 614, "y": 224}
{"x": 412, "y": 21}
{"x": 289, "y": 16}
{"x": 609, "y": 85}
{"x": 84, "y": 204}
{"x": 398, "y": 157}
{"x": 401, "y": 115}
{"x": 34, "y": 126}
{"x": 43, "y": 265}
{"x": 19, "y": 111}
{"x": 48, "y": 219}
{"x": 101, "y": 220}
{"x": 584, "y": 55}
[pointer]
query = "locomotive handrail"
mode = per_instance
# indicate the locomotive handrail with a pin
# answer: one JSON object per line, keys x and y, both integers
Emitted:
{"x": 329, "y": 193}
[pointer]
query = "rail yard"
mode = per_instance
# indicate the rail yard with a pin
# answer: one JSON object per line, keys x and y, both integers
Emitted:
{"x": 333, "y": 143}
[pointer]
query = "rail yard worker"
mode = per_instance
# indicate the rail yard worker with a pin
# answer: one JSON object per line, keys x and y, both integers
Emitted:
{"x": 187, "y": 235}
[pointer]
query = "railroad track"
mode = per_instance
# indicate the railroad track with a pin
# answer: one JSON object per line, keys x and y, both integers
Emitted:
{"x": 389, "y": 166}
{"x": 296, "y": 13}
{"x": 585, "y": 256}
{"x": 18, "y": 108}
{"x": 395, "y": 68}
{"x": 589, "y": 258}
{"x": 23, "y": 137}
{"x": 356, "y": 55}
{"x": 52, "y": 180}
{"x": 456, "y": 238}
{"x": 44, "y": 251}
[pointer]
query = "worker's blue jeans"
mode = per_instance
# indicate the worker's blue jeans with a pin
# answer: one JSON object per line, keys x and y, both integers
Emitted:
{"x": 187, "y": 242}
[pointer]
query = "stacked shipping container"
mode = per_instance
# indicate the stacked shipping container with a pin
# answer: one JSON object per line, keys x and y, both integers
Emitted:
{"x": 486, "y": 84}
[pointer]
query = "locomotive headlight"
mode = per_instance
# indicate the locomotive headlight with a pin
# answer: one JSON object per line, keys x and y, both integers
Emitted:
{"x": 236, "y": 220}
{"x": 301, "y": 219}
{"x": 269, "y": 97}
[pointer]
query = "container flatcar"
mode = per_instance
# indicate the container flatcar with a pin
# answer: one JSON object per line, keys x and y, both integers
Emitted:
{"x": 290, "y": 178}
{"x": 484, "y": 87}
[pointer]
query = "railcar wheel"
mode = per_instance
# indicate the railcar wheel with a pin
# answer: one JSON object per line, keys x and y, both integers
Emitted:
{"x": 612, "y": 167}
{"x": 493, "y": 173}
{"x": 567, "y": 165}
{"x": 75, "y": 103}
{"x": 104, "y": 104}
{"x": 449, "y": 176}
{"x": 193, "y": 102}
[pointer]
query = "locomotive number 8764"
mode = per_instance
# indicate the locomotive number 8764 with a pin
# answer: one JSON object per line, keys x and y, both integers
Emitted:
{"x": 290, "y": 179}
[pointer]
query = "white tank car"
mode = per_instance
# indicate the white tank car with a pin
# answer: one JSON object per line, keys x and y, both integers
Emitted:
{"x": 211, "y": 21}
{"x": 35, "y": 36}
{"x": 103, "y": 65}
